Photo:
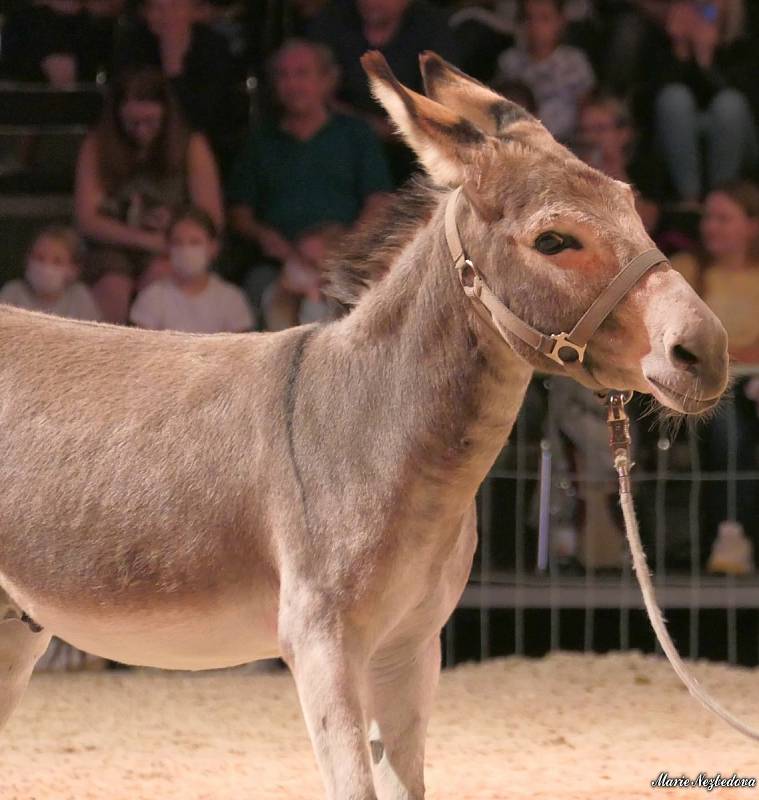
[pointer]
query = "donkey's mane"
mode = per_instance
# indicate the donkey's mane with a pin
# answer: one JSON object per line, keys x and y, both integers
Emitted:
{"x": 366, "y": 256}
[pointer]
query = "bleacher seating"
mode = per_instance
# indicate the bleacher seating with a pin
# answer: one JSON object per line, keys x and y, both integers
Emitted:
{"x": 41, "y": 129}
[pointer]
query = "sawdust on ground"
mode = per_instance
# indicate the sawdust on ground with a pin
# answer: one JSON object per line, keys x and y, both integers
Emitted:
{"x": 566, "y": 727}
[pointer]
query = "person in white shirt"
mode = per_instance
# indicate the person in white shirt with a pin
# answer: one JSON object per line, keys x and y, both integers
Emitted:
{"x": 50, "y": 281}
{"x": 192, "y": 298}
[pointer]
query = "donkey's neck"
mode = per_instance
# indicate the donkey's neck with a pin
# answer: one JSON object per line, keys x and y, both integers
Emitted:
{"x": 456, "y": 385}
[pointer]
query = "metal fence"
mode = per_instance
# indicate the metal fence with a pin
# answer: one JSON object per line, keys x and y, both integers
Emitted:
{"x": 580, "y": 592}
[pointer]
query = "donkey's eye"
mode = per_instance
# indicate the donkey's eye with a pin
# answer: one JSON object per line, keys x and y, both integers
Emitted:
{"x": 552, "y": 243}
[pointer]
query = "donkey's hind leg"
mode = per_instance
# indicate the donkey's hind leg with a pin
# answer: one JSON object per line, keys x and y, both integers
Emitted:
{"x": 402, "y": 693}
{"x": 21, "y": 645}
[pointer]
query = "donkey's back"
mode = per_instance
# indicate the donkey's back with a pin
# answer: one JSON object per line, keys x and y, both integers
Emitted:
{"x": 132, "y": 464}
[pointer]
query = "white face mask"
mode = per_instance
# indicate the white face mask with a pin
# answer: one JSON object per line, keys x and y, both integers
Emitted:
{"x": 46, "y": 278}
{"x": 189, "y": 260}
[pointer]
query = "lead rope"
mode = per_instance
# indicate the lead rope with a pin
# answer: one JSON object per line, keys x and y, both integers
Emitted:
{"x": 619, "y": 441}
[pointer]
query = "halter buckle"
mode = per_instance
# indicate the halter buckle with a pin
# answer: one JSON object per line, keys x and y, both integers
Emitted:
{"x": 473, "y": 288}
{"x": 572, "y": 352}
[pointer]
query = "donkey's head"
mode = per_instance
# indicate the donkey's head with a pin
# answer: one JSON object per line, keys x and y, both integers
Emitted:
{"x": 546, "y": 234}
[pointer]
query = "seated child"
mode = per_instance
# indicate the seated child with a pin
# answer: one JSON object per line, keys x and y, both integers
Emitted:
{"x": 50, "y": 281}
{"x": 296, "y": 297}
{"x": 192, "y": 298}
{"x": 558, "y": 74}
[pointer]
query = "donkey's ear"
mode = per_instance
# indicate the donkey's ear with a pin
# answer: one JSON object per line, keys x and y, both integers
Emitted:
{"x": 443, "y": 141}
{"x": 468, "y": 97}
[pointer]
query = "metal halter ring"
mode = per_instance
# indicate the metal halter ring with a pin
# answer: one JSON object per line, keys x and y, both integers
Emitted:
{"x": 571, "y": 352}
{"x": 475, "y": 287}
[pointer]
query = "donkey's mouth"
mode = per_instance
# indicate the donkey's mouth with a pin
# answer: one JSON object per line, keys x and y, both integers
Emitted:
{"x": 680, "y": 401}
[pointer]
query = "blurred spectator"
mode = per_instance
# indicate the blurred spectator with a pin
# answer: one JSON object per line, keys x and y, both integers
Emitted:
{"x": 726, "y": 272}
{"x": 400, "y": 29}
{"x": 479, "y": 30}
{"x": 296, "y": 298}
{"x": 224, "y": 17}
{"x": 630, "y": 25}
{"x": 558, "y": 75}
{"x": 517, "y": 92}
{"x": 302, "y": 13}
{"x": 510, "y": 11}
{"x": 42, "y": 42}
{"x": 51, "y": 277}
{"x": 308, "y": 168}
{"x": 59, "y": 42}
{"x": 697, "y": 72}
{"x": 481, "y": 36}
{"x": 587, "y": 533}
{"x": 606, "y": 139}
{"x": 137, "y": 166}
{"x": 193, "y": 58}
{"x": 192, "y": 298}
{"x": 104, "y": 19}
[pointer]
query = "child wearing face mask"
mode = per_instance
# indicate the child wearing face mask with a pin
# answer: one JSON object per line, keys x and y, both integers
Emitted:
{"x": 50, "y": 281}
{"x": 192, "y": 298}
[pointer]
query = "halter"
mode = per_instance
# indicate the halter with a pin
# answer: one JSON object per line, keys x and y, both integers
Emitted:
{"x": 566, "y": 349}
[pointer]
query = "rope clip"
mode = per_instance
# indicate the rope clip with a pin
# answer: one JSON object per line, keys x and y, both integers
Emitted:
{"x": 619, "y": 436}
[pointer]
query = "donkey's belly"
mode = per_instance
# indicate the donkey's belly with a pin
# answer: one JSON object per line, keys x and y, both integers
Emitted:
{"x": 208, "y": 633}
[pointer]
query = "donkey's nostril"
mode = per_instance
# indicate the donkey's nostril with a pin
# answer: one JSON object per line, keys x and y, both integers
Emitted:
{"x": 682, "y": 357}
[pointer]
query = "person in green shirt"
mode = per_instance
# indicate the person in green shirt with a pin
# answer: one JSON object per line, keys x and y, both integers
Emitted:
{"x": 307, "y": 169}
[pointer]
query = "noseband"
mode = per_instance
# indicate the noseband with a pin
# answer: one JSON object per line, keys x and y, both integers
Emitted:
{"x": 566, "y": 349}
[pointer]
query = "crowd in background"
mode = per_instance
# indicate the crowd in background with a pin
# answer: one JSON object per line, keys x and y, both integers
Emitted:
{"x": 188, "y": 218}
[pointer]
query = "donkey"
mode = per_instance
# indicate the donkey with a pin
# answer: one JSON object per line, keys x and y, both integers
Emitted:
{"x": 197, "y": 502}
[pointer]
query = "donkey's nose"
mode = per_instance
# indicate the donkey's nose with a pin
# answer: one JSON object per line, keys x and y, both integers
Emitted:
{"x": 683, "y": 358}
{"x": 702, "y": 354}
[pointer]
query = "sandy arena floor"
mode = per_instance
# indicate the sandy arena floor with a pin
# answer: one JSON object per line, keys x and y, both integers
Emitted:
{"x": 568, "y": 727}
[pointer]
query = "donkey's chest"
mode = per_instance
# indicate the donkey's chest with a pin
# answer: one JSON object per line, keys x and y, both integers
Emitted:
{"x": 425, "y": 582}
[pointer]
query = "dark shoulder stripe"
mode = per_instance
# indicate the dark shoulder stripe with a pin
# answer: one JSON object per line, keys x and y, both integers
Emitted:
{"x": 291, "y": 396}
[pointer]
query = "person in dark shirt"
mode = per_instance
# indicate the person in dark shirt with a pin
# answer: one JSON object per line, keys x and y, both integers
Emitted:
{"x": 309, "y": 167}
{"x": 400, "y": 29}
{"x": 59, "y": 42}
{"x": 227, "y": 19}
{"x": 194, "y": 59}
{"x": 698, "y": 70}
{"x": 104, "y": 18}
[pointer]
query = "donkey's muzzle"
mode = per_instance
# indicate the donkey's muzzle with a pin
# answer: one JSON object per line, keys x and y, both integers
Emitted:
{"x": 699, "y": 360}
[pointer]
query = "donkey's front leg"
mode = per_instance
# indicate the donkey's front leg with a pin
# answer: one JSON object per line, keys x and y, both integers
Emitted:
{"x": 403, "y": 685}
{"x": 21, "y": 645}
{"x": 329, "y": 665}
